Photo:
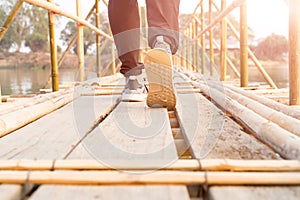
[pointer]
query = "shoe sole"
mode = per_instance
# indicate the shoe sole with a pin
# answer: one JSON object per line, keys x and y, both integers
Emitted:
{"x": 158, "y": 65}
{"x": 133, "y": 97}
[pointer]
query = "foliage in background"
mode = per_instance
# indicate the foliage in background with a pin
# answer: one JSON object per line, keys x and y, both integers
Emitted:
{"x": 272, "y": 48}
{"x": 29, "y": 29}
{"x": 70, "y": 30}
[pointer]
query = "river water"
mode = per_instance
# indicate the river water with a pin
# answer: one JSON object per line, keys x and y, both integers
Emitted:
{"x": 27, "y": 81}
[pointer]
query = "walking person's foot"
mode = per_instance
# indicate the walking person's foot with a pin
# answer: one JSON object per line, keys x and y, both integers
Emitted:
{"x": 135, "y": 89}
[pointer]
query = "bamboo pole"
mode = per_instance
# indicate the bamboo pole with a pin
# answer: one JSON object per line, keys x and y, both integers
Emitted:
{"x": 80, "y": 45}
{"x": 195, "y": 56}
{"x": 251, "y": 54}
{"x": 8, "y": 122}
{"x": 294, "y": 52}
{"x": 74, "y": 38}
{"x": 284, "y": 121}
{"x": 154, "y": 178}
{"x": 195, "y": 11}
{"x": 203, "y": 47}
{"x": 10, "y": 18}
{"x": 181, "y": 164}
{"x": 228, "y": 60}
{"x": 211, "y": 36}
{"x": 282, "y": 141}
{"x": 223, "y": 51}
{"x": 244, "y": 45}
{"x": 221, "y": 15}
{"x": 98, "y": 39}
{"x": 268, "y": 102}
{"x": 183, "y": 49}
{"x": 58, "y": 10}
{"x": 187, "y": 48}
{"x": 231, "y": 65}
{"x": 113, "y": 64}
{"x": 53, "y": 49}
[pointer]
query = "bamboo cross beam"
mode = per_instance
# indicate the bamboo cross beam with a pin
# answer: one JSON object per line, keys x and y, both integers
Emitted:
{"x": 251, "y": 54}
{"x": 153, "y": 178}
{"x": 223, "y": 14}
{"x": 10, "y": 18}
{"x": 191, "y": 18}
{"x": 230, "y": 63}
{"x": 192, "y": 165}
{"x": 58, "y": 10}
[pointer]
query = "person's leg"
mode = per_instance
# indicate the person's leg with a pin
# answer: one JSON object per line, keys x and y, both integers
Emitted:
{"x": 163, "y": 21}
{"x": 125, "y": 23}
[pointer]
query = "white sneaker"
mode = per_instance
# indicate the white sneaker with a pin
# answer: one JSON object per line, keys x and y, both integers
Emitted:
{"x": 135, "y": 89}
{"x": 161, "y": 44}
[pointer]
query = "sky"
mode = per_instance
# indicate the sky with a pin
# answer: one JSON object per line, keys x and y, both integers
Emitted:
{"x": 264, "y": 16}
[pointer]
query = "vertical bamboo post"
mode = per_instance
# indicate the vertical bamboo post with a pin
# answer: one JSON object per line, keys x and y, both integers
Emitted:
{"x": 223, "y": 44}
{"x": 195, "y": 33}
{"x": 10, "y": 18}
{"x": 80, "y": 47}
{"x": 211, "y": 37}
{"x": 53, "y": 49}
{"x": 192, "y": 44}
{"x": 294, "y": 51}
{"x": 143, "y": 31}
{"x": 194, "y": 56}
{"x": 202, "y": 39}
{"x": 98, "y": 39}
{"x": 186, "y": 48}
{"x": 113, "y": 57}
{"x": 244, "y": 44}
{"x": 183, "y": 49}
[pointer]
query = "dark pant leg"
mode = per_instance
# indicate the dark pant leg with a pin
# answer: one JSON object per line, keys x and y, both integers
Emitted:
{"x": 163, "y": 20}
{"x": 125, "y": 23}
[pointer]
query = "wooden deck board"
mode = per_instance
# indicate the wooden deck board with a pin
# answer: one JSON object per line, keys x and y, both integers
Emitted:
{"x": 211, "y": 134}
{"x": 10, "y": 192}
{"x": 52, "y": 136}
{"x": 133, "y": 134}
{"x": 118, "y": 129}
{"x": 111, "y": 192}
{"x": 254, "y": 193}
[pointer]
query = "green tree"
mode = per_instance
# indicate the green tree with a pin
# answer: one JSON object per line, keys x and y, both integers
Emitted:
{"x": 37, "y": 39}
{"x": 272, "y": 48}
{"x": 70, "y": 30}
{"x": 30, "y": 26}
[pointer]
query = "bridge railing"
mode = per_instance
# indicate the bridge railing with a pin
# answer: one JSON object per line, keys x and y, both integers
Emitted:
{"x": 78, "y": 37}
{"x": 197, "y": 31}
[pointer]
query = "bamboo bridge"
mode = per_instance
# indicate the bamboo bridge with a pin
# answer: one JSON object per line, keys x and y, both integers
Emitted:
{"x": 226, "y": 139}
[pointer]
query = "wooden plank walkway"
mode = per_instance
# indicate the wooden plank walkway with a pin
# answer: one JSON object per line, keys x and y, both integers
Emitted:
{"x": 125, "y": 135}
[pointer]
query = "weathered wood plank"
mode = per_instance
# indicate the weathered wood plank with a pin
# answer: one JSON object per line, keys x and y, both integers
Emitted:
{"x": 254, "y": 193}
{"x": 11, "y": 192}
{"x": 111, "y": 192}
{"x": 52, "y": 136}
{"x": 211, "y": 134}
{"x": 133, "y": 134}
{"x": 118, "y": 131}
